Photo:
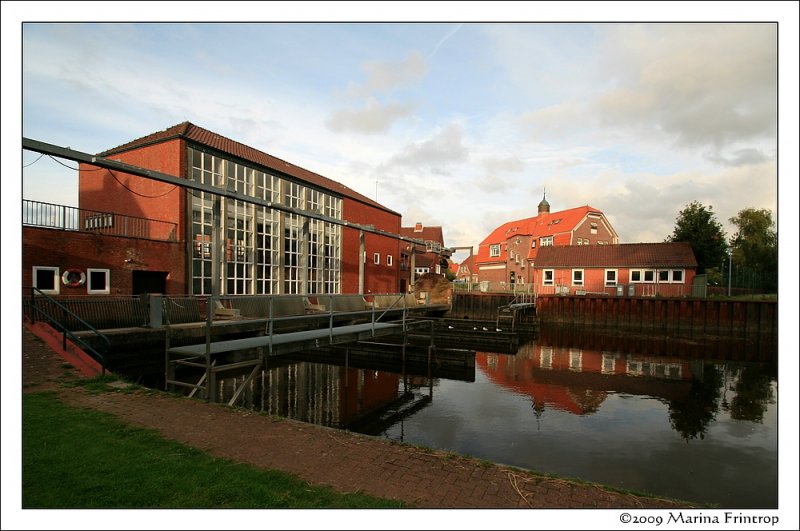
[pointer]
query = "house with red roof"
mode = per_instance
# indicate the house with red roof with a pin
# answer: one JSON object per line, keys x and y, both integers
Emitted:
{"x": 432, "y": 257}
{"x": 638, "y": 269}
{"x": 466, "y": 270}
{"x": 507, "y": 256}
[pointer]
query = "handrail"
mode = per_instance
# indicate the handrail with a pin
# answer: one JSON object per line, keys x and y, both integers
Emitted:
{"x": 100, "y": 358}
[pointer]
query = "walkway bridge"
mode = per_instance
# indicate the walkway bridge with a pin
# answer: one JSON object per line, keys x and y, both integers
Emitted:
{"x": 291, "y": 324}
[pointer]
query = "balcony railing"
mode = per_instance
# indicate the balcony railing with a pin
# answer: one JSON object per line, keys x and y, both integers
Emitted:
{"x": 61, "y": 217}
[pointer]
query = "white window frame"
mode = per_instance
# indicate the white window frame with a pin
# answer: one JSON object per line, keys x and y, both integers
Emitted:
{"x": 665, "y": 274}
{"x": 494, "y": 250}
{"x": 608, "y": 282}
{"x": 682, "y": 274}
{"x": 104, "y": 291}
{"x": 376, "y": 258}
{"x": 545, "y": 241}
{"x": 389, "y": 260}
{"x": 551, "y": 281}
{"x": 56, "y": 279}
{"x": 643, "y": 274}
{"x": 578, "y": 282}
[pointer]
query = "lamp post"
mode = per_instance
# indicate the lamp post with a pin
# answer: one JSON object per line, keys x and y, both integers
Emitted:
{"x": 730, "y": 271}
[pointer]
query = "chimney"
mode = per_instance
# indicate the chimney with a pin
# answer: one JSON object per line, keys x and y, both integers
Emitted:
{"x": 418, "y": 227}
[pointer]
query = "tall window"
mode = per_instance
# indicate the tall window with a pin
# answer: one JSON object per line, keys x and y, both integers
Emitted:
{"x": 494, "y": 250}
{"x": 253, "y": 239}
{"x": 547, "y": 277}
{"x": 611, "y": 277}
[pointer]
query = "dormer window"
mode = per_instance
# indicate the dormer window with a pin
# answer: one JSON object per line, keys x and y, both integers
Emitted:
{"x": 494, "y": 250}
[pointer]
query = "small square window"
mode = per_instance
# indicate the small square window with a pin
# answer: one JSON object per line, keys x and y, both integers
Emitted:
{"x": 46, "y": 279}
{"x": 577, "y": 277}
{"x": 677, "y": 275}
{"x": 97, "y": 281}
{"x": 663, "y": 276}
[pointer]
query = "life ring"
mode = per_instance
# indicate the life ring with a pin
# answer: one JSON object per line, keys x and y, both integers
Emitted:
{"x": 73, "y": 278}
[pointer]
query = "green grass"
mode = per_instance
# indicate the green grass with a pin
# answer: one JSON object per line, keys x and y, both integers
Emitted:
{"x": 78, "y": 458}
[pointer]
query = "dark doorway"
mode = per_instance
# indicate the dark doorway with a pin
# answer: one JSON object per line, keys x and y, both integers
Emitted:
{"x": 149, "y": 282}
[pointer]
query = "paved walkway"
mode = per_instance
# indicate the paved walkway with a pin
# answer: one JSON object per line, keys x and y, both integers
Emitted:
{"x": 344, "y": 461}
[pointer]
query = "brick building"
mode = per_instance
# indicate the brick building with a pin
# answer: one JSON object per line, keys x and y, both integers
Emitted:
{"x": 506, "y": 257}
{"x": 259, "y": 249}
{"x": 636, "y": 269}
{"x": 431, "y": 257}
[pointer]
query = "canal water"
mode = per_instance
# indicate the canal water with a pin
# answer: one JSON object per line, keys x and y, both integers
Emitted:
{"x": 623, "y": 411}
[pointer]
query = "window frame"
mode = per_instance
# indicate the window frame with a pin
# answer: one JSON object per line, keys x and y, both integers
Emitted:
{"x": 546, "y": 241}
{"x": 376, "y": 258}
{"x": 106, "y": 290}
{"x": 581, "y": 281}
{"x": 607, "y": 282}
{"x": 545, "y": 281}
{"x": 494, "y": 250}
{"x": 56, "y": 279}
{"x": 389, "y": 260}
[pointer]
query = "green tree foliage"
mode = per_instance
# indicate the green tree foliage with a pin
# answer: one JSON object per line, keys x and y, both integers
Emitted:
{"x": 755, "y": 244}
{"x": 697, "y": 225}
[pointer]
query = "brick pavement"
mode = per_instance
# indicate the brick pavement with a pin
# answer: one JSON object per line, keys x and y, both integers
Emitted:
{"x": 345, "y": 461}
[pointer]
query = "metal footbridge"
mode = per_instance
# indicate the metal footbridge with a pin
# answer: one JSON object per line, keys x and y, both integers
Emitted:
{"x": 289, "y": 327}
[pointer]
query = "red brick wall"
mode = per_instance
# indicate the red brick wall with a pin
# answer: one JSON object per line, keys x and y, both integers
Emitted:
{"x": 594, "y": 282}
{"x": 82, "y": 250}
{"x": 378, "y": 278}
{"x": 100, "y": 190}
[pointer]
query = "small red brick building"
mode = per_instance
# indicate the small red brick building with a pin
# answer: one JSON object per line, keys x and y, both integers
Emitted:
{"x": 431, "y": 257}
{"x": 261, "y": 250}
{"x": 631, "y": 269}
{"x": 506, "y": 257}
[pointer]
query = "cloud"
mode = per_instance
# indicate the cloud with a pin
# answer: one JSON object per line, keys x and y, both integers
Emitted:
{"x": 442, "y": 149}
{"x": 372, "y": 118}
{"x": 696, "y": 86}
{"x": 385, "y": 76}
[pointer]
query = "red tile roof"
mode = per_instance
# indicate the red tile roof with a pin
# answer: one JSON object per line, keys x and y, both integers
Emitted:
{"x": 619, "y": 255}
{"x": 198, "y": 135}
{"x": 544, "y": 224}
{"x": 433, "y": 234}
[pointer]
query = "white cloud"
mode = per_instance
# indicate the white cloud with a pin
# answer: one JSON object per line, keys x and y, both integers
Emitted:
{"x": 372, "y": 118}
{"x": 385, "y": 76}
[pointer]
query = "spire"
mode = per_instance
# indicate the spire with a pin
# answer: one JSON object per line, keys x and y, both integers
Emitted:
{"x": 544, "y": 206}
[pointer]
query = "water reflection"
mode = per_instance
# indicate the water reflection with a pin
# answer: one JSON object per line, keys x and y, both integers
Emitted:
{"x": 695, "y": 421}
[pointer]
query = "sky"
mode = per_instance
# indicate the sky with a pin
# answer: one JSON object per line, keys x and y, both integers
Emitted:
{"x": 433, "y": 110}
{"x": 459, "y": 124}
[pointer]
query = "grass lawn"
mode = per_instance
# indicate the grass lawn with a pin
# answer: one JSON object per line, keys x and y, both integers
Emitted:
{"x": 81, "y": 459}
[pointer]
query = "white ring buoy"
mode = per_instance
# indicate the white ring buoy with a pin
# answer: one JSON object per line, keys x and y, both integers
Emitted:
{"x": 73, "y": 278}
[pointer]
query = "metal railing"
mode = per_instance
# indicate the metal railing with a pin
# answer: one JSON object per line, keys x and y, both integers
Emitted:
{"x": 61, "y": 217}
{"x": 58, "y": 322}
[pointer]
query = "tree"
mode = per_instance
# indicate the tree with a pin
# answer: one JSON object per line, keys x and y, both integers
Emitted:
{"x": 697, "y": 225}
{"x": 755, "y": 245}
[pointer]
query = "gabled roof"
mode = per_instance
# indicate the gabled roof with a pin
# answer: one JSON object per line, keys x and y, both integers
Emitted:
{"x": 197, "y": 135}
{"x": 544, "y": 224}
{"x": 433, "y": 234}
{"x": 651, "y": 255}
